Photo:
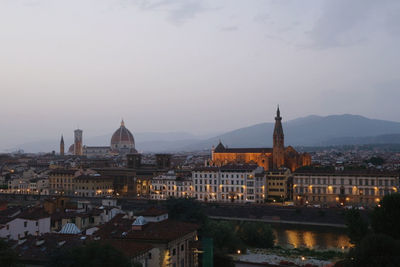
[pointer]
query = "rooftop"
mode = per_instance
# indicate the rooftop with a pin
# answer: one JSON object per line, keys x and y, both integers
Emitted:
{"x": 166, "y": 230}
{"x": 150, "y": 212}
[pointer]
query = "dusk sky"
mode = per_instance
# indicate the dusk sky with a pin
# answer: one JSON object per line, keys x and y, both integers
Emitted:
{"x": 194, "y": 66}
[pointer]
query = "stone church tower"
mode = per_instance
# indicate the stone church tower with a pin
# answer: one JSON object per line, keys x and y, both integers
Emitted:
{"x": 62, "y": 146}
{"x": 78, "y": 147}
{"x": 278, "y": 150}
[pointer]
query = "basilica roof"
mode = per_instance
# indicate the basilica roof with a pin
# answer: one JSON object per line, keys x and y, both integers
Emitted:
{"x": 122, "y": 135}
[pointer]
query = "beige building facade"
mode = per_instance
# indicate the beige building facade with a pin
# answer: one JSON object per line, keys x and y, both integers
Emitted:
{"x": 341, "y": 188}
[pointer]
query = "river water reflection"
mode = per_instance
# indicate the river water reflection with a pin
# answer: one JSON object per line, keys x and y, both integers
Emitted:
{"x": 312, "y": 237}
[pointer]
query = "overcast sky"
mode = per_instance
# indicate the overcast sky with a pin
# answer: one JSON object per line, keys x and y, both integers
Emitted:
{"x": 190, "y": 65}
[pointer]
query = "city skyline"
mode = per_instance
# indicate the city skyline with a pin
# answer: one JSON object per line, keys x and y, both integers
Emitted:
{"x": 198, "y": 66}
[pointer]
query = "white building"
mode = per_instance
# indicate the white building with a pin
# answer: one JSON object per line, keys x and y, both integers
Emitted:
{"x": 110, "y": 209}
{"x": 30, "y": 222}
{"x": 18, "y": 186}
{"x": 230, "y": 183}
{"x": 169, "y": 185}
{"x": 39, "y": 186}
{"x": 343, "y": 188}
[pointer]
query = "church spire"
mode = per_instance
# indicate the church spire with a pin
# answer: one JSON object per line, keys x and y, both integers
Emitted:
{"x": 62, "y": 146}
{"x": 278, "y": 152}
{"x": 278, "y": 112}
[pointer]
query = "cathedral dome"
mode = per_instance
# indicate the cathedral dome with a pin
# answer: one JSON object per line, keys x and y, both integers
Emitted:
{"x": 71, "y": 149}
{"x": 122, "y": 140}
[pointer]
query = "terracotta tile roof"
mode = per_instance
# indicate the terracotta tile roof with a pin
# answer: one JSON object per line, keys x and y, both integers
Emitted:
{"x": 245, "y": 150}
{"x": 34, "y": 214}
{"x": 73, "y": 214}
{"x": 93, "y": 177}
{"x": 114, "y": 228}
{"x": 150, "y": 212}
{"x": 128, "y": 247}
{"x": 229, "y": 167}
{"x": 38, "y": 249}
{"x": 163, "y": 231}
{"x": 239, "y": 167}
{"x": 209, "y": 169}
{"x": 9, "y": 214}
{"x": 63, "y": 171}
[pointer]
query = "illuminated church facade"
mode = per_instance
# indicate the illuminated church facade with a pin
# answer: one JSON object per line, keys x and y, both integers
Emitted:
{"x": 269, "y": 158}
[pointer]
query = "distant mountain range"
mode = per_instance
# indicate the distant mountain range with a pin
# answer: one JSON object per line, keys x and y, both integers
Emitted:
{"x": 311, "y": 131}
{"x": 308, "y": 131}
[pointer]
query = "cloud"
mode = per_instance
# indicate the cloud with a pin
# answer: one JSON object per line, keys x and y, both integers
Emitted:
{"x": 229, "y": 29}
{"x": 179, "y": 11}
{"x": 346, "y": 23}
{"x": 262, "y": 18}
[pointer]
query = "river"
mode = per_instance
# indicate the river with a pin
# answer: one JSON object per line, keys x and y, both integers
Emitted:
{"x": 312, "y": 237}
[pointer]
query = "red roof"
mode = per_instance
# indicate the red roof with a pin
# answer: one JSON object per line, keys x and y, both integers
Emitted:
{"x": 151, "y": 212}
{"x": 128, "y": 247}
{"x": 34, "y": 214}
{"x": 166, "y": 230}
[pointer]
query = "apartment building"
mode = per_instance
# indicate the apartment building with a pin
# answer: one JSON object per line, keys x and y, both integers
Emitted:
{"x": 61, "y": 181}
{"x": 343, "y": 188}
{"x": 93, "y": 185}
{"x": 279, "y": 184}
{"x": 170, "y": 185}
{"x": 230, "y": 183}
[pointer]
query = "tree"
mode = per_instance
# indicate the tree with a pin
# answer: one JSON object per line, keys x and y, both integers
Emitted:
{"x": 256, "y": 234}
{"x": 376, "y": 161}
{"x": 223, "y": 260}
{"x": 375, "y": 250}
{"x": 186, "y": 209}
{"x": 8, "y": 257}
{"x": 386, "y": 218}
{"x": 357, "y": 228}
{"x": 224, "y": 236}
{"x": 90, "y": 255}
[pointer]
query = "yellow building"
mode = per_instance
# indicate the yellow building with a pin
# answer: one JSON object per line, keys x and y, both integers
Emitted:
{"x": 94, "y": 185}
{"x": 279, "y": 185}
{"x": 61, "y": 181}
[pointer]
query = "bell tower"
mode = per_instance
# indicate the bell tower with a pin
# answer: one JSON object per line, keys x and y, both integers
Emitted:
{"x": 278, "y": 150}
{"x": 78, "y": 148}
{"x": 62, "y": 146}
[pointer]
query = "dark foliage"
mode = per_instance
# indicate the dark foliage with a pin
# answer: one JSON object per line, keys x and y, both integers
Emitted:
{"x": 357, "y": 228}
{"x": 386, "y": 218}
{"x": 224, "y": 236}
{"x": 7, "y": 256}
{"x": 186, "y": 209}
{"x": 374, "y": 250}
{"x": 256, "y": 234}
{"x": 90, "y": 255}
{"x": 223, "y": 260}
{"x": 376, "y": 161}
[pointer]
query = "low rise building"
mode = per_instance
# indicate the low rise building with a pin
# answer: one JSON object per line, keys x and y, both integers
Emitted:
{"x": 33, "y": 221}
{"x": 18, "y": 185}
{"x": 174, "y": 241}
{"x": 170, "y": 185}
{"x": 343, "y": 188}
{"x": 94, "y": 185}
{"x": 61, "y": 181}
{"x": 279, "y": 184}
{"x": 230, "y": 183}
{"x": 39, "y": 186}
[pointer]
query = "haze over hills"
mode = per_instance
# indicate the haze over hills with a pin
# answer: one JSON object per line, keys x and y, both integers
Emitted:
{"x": 307, "y": 131}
